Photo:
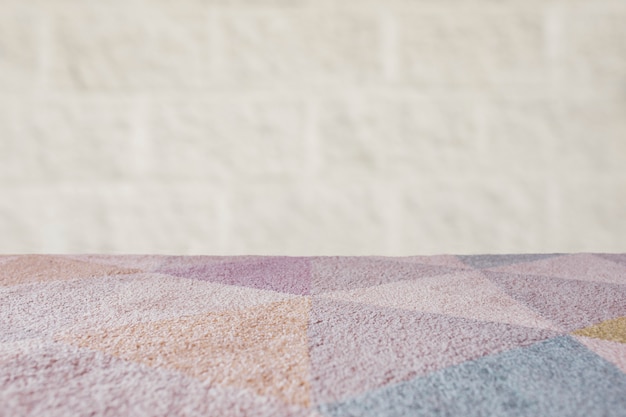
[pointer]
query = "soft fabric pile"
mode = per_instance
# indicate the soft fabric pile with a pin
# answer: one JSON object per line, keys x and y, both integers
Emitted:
{"x": 491, "y": 335}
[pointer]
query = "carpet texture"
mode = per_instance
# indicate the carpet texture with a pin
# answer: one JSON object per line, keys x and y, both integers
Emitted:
{"x": 488, "y": 335}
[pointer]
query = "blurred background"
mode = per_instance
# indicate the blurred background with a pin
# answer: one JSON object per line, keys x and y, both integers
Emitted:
{"x": 312, "y": 127}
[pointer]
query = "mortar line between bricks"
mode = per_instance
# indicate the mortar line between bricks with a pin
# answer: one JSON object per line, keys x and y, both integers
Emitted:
{"x": 140, "y": 137}
{"x": 44, "y": 54}
{"x": 215, "y": 44}
{"x": 608, "y": 91}
{"x": 389, "y": 46}
{"x": 486, "y": 178}
{"x": 224, "y": 221}
{"x": 311, "y": 140}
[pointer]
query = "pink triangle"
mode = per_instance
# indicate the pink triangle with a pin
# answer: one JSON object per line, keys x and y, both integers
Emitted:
{"x": 584, "y": 266}
{"x": 613, "y": 352}
{"x": 5, "y": 258}
{"x": 465, "y": 294}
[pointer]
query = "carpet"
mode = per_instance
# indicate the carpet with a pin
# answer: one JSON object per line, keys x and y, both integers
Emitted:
{"x": 482, "y": 335}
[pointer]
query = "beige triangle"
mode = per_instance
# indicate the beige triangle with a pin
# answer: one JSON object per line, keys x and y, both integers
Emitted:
{"x": 466, "y": 294}
{"x": 582, "y": 266}
{"x": 38, "y": 268}
{"x": 613, "y": 330}
{"x": 262, "y": 348}
{"x": 613, "y": 352}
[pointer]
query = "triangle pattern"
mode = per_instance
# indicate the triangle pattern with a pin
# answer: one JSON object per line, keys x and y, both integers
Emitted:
{"x": 357, "y": 347}
{"x": 493, "y": 261}
{"x": 335, "y": 273}
{"x": 613, "y": 330}
{"x": 465, "y": 294}
{"x": 91, "y": 381}
{"x": 40, "y": 268}
{"x": 570, "y": 304}
{"x": 555, "y": 377}
{"x": 277, "y": 273}
{"x": 613, "y": 352}
{"x": 582, "y": 266}
{"x": 117, "y": 301}
{"x": 263, "y": 348}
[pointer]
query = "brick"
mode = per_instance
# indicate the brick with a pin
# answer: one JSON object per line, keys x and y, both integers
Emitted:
{"x": 593, "y": 49}
{"x": 592, "y": 137}
{"x": 106, "y": 218}
{"x": 127, "y": 49}
{"x": 589, "y": 214}
{"x": 567, "y": 135}
{"x": 396, "y": 136}
{"x": 482, "y": 215}
{"x": 76, "y": 140}
{"x": 23, "y": 223}
{"x": 169, "y": 218}
{"x": 442, "y": 50}
{"x": 236, "y": 139}
{"x": 308, "y": 219}
{"x": 437, "y": 136}
{"x": 519, "y": 134}
{"x": 20, "y": 49}
{"x": 353, "y": 135}
{"x": 17, "y": 157}
{"x": 299, "y": 48}
{"x": 51, "y": 219}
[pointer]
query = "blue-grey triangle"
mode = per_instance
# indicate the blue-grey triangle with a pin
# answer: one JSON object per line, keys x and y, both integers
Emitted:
{"x": 492, "y": 261}
{"x": 555, "y": 377}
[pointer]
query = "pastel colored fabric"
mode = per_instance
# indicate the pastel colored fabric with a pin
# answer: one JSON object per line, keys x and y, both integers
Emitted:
{"x": 488, "y": 335}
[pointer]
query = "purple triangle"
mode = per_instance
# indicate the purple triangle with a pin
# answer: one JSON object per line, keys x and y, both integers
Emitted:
{"x": 333, "y": 273}
{"x": 569, "y": 303}
{"x": 277, "y": 273}
{"x": 358, "y": 347}
{"x": 619, "y": 258}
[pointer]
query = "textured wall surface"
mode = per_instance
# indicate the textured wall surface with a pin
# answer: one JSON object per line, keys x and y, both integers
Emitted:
{"x": 305, "y": 127}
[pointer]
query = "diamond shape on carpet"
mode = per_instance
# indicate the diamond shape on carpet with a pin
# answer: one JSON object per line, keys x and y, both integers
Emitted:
{"x": 553, "y": 377}
{"x": 54, "y": 379}
{"x": 467, "y": 294}
{"x": 335, "y": 273}
{"x": 116, "y": 301}
{"x": 357, "y": 347}
{"x": 570, "y": 304}
{"x": 584, "y": 266}
{"x": 276, "y": 273}
{"x": 262, "y": 348}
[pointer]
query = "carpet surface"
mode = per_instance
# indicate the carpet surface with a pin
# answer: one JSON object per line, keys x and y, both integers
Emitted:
{"x": 488, "y": 335}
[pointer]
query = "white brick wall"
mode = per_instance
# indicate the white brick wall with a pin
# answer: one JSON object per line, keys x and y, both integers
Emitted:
{"x": 304, "y": 127}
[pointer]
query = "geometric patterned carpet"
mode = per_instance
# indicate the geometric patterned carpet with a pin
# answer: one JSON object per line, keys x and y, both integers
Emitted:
{"x": 481, "y": 335}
